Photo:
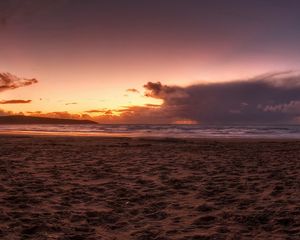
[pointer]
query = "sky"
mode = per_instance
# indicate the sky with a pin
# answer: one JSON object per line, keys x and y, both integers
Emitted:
{"x": 106, "y": 60}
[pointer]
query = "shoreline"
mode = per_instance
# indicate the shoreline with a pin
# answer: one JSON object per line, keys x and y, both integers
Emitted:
{"x": 156, "y": 138}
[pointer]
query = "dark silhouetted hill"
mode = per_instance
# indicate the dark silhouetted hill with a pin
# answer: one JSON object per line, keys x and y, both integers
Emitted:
{"x": 19, "y": 119}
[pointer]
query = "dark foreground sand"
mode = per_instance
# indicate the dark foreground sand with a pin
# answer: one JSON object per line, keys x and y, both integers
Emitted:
{"x": 101, "y": 188}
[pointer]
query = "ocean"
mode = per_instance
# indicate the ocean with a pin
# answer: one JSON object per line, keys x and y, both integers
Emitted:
{"x": 166, "y": 131}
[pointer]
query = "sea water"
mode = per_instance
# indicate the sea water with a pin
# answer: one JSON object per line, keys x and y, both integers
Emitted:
{"x": 173, "y": 131}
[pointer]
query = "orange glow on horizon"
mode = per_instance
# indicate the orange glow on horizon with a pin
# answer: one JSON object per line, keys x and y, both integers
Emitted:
{"x": 186, "y": 122}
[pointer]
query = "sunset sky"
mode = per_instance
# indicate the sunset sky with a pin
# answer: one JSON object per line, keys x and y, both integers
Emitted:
{"x": 94, "y": 59}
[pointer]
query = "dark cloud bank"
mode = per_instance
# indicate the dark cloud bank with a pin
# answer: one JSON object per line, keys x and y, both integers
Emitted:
{"x": 273, "y": 98}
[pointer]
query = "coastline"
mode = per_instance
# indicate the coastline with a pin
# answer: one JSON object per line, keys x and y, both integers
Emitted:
{"x": 144, "y": 137}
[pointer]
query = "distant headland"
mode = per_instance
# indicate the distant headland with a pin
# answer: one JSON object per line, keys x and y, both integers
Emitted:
{"x": 20, "y": 119}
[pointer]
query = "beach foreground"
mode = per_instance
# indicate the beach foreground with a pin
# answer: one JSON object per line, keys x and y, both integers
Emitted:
{"x": 120, "y": 188}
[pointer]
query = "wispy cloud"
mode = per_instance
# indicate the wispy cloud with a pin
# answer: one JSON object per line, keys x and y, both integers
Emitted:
{"x": 9, "y": 81}
{"x": 71, "y": 103}
{"x": 97, "y": 111}
{"x": 35, "y": 112}
{"x": 15, "y": 101}
{"x": 153, "y": 105}
{"x": 132, "y": 90}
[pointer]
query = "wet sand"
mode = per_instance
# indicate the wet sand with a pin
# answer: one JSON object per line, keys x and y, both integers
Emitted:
{"x": 120, "y": 188}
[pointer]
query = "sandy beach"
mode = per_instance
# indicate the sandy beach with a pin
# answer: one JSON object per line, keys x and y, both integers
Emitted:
{"x": 77, "y": 188}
